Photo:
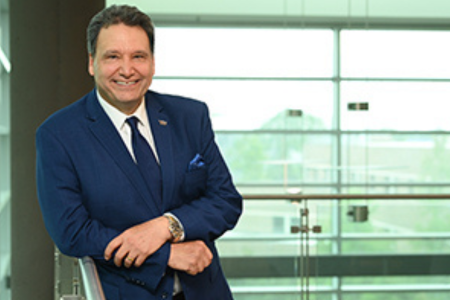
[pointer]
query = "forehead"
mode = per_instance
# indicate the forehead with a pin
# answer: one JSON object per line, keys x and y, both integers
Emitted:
{"x": 120, "y": 37}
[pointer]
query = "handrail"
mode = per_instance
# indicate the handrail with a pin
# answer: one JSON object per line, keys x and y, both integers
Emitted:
{"x": 91, "y": 282}
{"x": 342, "y": 196}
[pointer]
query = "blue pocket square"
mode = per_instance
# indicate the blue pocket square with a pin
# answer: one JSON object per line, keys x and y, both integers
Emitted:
{"x": 196, "y": 163}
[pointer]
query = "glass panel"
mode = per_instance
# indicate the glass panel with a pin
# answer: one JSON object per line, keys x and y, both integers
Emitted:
{"x": 395, "y": 280}
{"x": 250, "y": 105}
{"x": 243, "y": 52}
{"x": 396, "y": 246}
{"x": 388, "y": 217}
{"x": 389, "y": 53}
{"x": 257, "y": 158}
{"x": 391, "y": 159}
{"x": 396, "y": 105}
{"x": 265, "y": 229}
{"x": 396, "y": 226}
{"x": 413, "y": 295}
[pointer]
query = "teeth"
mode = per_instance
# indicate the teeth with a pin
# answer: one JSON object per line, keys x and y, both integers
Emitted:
{"x": 125, "y": 83}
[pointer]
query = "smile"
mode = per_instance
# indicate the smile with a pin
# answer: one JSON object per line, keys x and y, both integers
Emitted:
{"x": 126, "y": 83}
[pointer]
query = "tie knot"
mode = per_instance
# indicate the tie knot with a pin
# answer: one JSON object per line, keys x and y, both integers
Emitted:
{"x": 133, "y": 122}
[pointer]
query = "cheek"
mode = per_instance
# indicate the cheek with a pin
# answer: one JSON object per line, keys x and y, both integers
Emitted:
{"x": 104, "y": 73}
{"x": 145, "y": 69}
{"x": 149, "y": 72}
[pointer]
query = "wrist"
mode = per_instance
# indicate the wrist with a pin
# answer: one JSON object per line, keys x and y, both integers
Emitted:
{"x": 165, "y": 225}
{"x": 175, "y": 228}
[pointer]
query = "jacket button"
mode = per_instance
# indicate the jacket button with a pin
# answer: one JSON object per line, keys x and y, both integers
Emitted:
{"x": 164, "y": 295}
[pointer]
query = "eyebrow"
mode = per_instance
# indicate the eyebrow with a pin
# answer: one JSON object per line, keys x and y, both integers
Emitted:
{"x": 108, "y": 52}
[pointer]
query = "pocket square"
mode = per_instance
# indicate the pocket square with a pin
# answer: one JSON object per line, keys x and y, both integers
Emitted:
{"x": 196, "y": 163}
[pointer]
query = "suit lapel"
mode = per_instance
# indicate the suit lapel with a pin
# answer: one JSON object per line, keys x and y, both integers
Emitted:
{"x": 162, "y": 134}
{"x": 105, "y": 132}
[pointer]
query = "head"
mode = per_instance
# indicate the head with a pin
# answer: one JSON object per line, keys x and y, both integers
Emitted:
{"x": 113, "y": 15}
{"x": 120, "y": 45}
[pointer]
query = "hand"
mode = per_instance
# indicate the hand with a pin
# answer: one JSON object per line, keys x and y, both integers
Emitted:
{"x": 192, "y": 257}
{"x": 137, "y": 243}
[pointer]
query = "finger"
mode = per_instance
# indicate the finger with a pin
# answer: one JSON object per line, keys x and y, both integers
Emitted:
{"x": 120, "y": 255}
{"x": 204, "y": 261}
{"x": 112, "y": 246}
{"x": 128, "y": 261}
{"x": 208, "y": 255}
{"x": 202, "y": 266}
{"x": 139, "y": 261}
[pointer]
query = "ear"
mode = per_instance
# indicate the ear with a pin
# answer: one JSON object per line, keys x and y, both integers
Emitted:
{"x": 91, "y": 65}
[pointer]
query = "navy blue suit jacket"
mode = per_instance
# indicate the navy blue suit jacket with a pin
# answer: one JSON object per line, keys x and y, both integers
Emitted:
{"x": 90, "y": 191}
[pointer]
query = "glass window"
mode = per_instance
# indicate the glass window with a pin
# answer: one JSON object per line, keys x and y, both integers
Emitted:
{"x": 282, "y": 120}
{"x": 272, "y": 235}
{"x": 395, "y": 159}
{"x": 259, "y": 104}
{"x": 238, "y": 52}
{"x": 394, "y": 105}
{"x": 395, "y": 53}
{"x": 396, "y": 227}
{"x": 285, "y": 160}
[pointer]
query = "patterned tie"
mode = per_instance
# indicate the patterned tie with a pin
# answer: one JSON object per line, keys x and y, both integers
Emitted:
{"x": 145, "y": 160}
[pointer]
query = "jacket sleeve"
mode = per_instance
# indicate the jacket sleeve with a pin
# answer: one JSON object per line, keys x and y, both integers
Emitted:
{"x": 68, "y": 221}
{"x": 218, "y": 207}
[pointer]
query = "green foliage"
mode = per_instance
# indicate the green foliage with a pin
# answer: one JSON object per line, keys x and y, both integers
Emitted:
{"x": 435, "y": 166}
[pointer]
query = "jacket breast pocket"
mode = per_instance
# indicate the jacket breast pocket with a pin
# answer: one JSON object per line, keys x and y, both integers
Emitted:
{"x": 194, "y": 184}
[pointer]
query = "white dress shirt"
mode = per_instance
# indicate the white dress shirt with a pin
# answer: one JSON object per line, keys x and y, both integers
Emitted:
{"x": 119, "y": 120}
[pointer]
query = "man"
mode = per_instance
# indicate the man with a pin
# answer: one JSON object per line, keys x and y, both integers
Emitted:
{"x": 134, "y": 178}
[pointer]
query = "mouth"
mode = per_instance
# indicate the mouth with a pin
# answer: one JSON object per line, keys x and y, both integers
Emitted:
{"x": 126, "y": 83}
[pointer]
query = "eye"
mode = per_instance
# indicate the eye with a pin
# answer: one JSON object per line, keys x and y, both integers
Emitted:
{"x": 139, "y": 56}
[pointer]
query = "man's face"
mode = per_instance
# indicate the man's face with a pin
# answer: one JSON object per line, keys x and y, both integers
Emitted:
{"x": 123, "y": 66}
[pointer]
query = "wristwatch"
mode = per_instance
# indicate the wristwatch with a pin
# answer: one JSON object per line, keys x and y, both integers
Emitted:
{"x": 175, "y": 228}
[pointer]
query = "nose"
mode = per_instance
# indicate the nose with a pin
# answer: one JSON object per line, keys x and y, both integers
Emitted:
{"x": 126, "y": 68}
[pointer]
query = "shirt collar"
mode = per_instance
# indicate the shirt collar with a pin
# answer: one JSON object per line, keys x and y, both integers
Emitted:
{"x": 118, "y": 118}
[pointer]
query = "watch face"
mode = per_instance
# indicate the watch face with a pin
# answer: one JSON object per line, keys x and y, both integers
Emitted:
{"x": 175, "y": 229}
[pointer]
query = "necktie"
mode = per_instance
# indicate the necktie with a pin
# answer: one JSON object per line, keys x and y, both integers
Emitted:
{"x": 145, "y": 159}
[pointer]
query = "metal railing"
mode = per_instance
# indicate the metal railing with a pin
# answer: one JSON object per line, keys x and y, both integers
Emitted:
{"x": 344, "y": 196}
{"x": 332, "y": 265}
{"x": 92, "y": 286}
{"x": 88, "y": 287}
{"x": 91, "y": 282}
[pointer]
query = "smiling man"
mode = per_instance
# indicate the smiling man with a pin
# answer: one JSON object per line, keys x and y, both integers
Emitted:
{"x": 122, "y": 65}
{"x": 134, "y": 178}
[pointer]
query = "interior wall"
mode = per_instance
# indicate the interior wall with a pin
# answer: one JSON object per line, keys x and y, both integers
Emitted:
{"x": 49, "y": 71}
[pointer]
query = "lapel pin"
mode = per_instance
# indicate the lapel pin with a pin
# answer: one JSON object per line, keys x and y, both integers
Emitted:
{"x": 162, "y": 122}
